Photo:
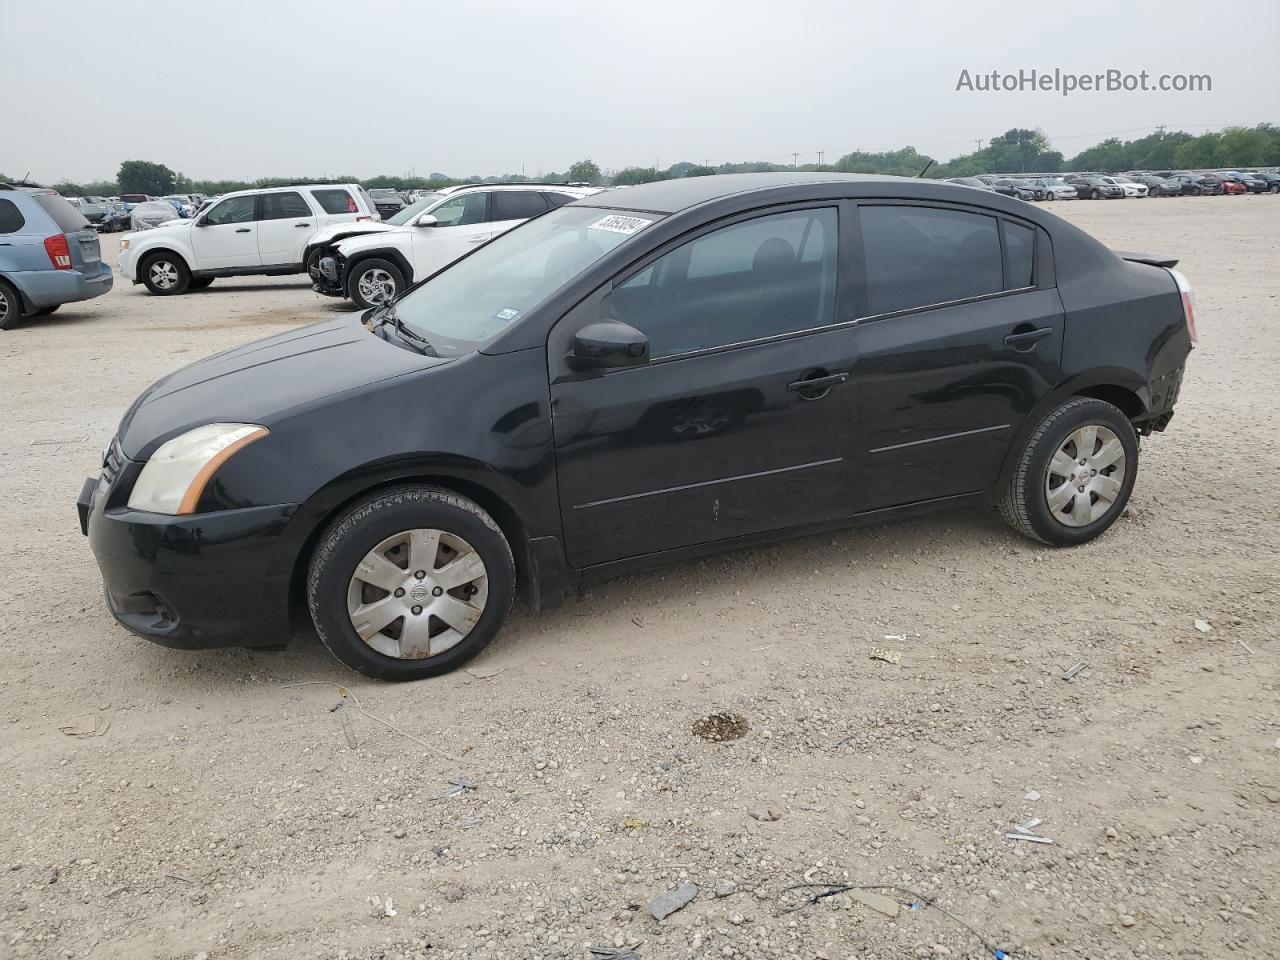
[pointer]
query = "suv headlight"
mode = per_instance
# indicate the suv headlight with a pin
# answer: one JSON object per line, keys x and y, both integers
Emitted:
{"x": 173, "y": 479}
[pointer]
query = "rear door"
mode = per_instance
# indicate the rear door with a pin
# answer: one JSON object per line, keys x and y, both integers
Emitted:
{"x": 959, "y": 335}
{"x": 226, "y": 235}
{"x": 717, "y": 436}
{"x": 510, "y": 208}
{"x": 285, "y": 224}
{"x": 462, "y": 222}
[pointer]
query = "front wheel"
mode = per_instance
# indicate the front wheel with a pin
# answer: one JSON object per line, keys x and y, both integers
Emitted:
{"x": 166, "y": 275}
{"x": 410, "y": 583}
{"x": 200, "y": 283}
{"x": 1096, "y": 195}
{"x": 1075, "y": 474}
{"x": 373, "y": 282}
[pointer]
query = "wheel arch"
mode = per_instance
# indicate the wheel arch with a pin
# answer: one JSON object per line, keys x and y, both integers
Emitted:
{"x": 465, "y": 478}
{"x": 381, "y": 253}
{"x": 142, "y": 258}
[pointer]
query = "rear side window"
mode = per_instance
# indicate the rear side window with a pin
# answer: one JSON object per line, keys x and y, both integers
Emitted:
{"x": 1020, "y": 255}
{"x": 558, "y": 199}
{"x": 67, "y": 217}
{"x": 11, "y": 220}
{"x": 284, "y": 206}
{"x": 232, "y": 210}
{"x": 335, "y": 201}
{"x": 517, "y": 205}
{"x": 918, "y": 256}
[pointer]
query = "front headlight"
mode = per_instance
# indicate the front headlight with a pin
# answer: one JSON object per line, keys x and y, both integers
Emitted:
{"x": 173, "y": 479}
{"x": 124, "y": 244}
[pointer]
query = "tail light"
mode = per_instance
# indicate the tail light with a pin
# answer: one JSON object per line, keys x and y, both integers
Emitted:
{"x": 1188, "y": 304}
{"x": 59, "y": 251}
{"x": 358, "y": 219}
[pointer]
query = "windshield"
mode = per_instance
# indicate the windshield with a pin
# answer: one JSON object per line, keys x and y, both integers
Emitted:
{"x": 480, "y": 296}
{"x": 411, "y": 211}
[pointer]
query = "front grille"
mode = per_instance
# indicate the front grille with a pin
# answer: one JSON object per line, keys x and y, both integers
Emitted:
{"x": 112, "y": 462}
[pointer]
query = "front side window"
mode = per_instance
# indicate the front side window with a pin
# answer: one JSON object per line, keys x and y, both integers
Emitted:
{"x": 335, "y": 200}
{"x": 231, "y": 210}
{"x": 517, "y": 205}
{"x": 284, "y": 206}
{"x": 481, "y": 295}
{"x": 461, "y": 211}
{"x": 747, "y": 281}
{"x": 918, "y": 256}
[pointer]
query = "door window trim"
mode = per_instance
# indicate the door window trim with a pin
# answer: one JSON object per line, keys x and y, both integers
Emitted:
{"x": 638, "y": 266}
{"x": 859, "y": 270}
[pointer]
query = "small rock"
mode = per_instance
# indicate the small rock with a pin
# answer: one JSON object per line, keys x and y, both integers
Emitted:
{"x": 202, "y": 955}
{"x": 1197, "y": 760}
{"x": 764, "y": 814}
{"x": 667, "y": 904}
{"x": 399, "y": 833}
{"x": 1126, "y": 920}
{"x": 1204, "y": 626}
{"x": 1032, "y": 795}
{"x": 726, "y": 888}
{"x": 1111, "y": 833}
{"x": 454, "y": 894}
{"x": 876, "y": 901}
{"x": 736, "y": 919}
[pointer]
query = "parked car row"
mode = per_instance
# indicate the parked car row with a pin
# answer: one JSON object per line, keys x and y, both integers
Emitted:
{"x": 1136, "y": 183}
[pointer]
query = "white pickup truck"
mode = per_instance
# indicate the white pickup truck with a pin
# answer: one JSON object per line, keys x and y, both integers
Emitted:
{"x": 248, "y": 233}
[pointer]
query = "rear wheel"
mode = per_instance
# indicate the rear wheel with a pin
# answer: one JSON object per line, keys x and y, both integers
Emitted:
{"x": 10, "y": 307}
{"x": 410, "y": 583}
{"x": 45, "y": 311}
{"x": 1096, "y": 195}
{"x": 1075, "y": 474}
{"x": 373, "y": 282}
{"x": 165, "y": 274}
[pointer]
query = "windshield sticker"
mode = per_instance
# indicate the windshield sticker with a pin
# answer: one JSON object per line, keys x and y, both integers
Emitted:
{"x": 506, "y": 313}
{"x": 619, "y": 224}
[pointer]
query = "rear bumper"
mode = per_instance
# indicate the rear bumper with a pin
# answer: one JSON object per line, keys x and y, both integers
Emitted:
{"x": 48, "y": 288}
{"x": 207, "y": 580}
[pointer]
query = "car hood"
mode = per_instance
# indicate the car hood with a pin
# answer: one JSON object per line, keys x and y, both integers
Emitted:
{"x": 329, "y": 233}
{"x": 263, "y": 382}
{"x": 356, "y": 244}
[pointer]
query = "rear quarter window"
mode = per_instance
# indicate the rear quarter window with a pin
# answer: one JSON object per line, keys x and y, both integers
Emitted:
{"x": 335, "y": 200}
{"x": 1020, "y": 255}
{"x": 67, "y": 217}
{"x": 11, "y": 219}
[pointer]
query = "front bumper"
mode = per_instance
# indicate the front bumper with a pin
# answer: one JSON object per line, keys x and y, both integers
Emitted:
{"x": 206, "y": 580}
{"x": 48, "y": 288}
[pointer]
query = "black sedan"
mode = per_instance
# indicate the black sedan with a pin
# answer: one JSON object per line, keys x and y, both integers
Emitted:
{"x": 1096, "y": 188}
{"x": 640, "y": 376}
{"x": 1158, "y": 186}
{"x": 1021, "y": 189}
{"x": 387, "y": 201}
{"x": 1196, "y": 185}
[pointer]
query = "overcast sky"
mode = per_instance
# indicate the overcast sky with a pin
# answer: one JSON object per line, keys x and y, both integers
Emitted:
{"x": 238, "y": 89}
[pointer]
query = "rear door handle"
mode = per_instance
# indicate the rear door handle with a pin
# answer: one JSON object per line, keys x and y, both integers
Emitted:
{"x": 1025, "y": 340}
{"x": 244, "y": 230}
{"x": 300, "y": 225}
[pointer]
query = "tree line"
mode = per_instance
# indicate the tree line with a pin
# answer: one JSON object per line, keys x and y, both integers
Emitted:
{"x": 1020, "y": 150}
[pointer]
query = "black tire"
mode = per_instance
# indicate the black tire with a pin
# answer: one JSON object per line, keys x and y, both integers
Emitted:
{"x": 1024, "y": 504}
{"x": 312, "y": 263}
{"x": 200, "y": 283}
{"x": 1274, "y": 188}
{"x": 362, "y": 269}
{"x": 11, "y": 309}
{"x": 356, "y": 532}
{"x": 1095, "y": 195}
{"x": 177, "y": 267}
{"x": 45, "y": 311}
{"x": 1196, "y": 191}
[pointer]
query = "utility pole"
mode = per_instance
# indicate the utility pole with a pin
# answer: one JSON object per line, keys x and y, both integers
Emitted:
{"x": 795, "y": 159}
{"x": 1160, "y": 130}
{"x": 979, "y": 143}
{"x": 820, "y": 153}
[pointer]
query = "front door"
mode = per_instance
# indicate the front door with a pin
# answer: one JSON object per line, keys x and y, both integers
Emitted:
{"x": 226, "y": 235}
{"x": 961, "y": 336}
{"x": 743, "y": 418}
{"x": 285, "y": 223}
{"x": 462, "y": 223}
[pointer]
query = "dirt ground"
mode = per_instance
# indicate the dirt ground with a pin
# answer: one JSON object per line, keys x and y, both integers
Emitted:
{"x": 166, "y": 804}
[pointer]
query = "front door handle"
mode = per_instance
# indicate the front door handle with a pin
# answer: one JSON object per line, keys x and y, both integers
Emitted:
{"x": 301, "y": 225}
{"x": 1026, "y": 340}
{"x": 476, "y": 239}
{"x": 244, "y": 230}
{"x": 816, "y": 386}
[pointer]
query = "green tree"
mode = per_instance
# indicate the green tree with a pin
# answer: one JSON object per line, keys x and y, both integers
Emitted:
{"x": 630, "y": 176}
{"x": 1021, "y": 150}
{"x": 143, "y": 176}
{"x": 585, "y": 171}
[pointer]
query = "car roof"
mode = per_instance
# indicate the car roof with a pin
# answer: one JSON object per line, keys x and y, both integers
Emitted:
{"x": 671, "y": 196}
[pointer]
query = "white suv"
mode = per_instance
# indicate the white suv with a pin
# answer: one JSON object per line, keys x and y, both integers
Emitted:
{"x": 372, "y": 267}
{"x": 252, "y": 232}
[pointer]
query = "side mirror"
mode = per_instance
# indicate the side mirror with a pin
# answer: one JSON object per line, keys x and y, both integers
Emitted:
{"x": 427, "y": 220}
{"x": 607, "y": 344}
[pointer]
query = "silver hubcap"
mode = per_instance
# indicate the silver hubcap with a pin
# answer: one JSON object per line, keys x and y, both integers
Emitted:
{"x": 163, "y": 274}
{"x": 1085, "y": 476}
{"x": 417, "y": 594}
{"x": 376, "y": 285}
{"x": 4, "y": 306}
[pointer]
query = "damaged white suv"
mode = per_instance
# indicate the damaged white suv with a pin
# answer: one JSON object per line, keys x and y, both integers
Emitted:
{"x": 371, "y": 263}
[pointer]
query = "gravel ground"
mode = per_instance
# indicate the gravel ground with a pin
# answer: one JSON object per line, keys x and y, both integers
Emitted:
{"x": 165, "y": 804}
